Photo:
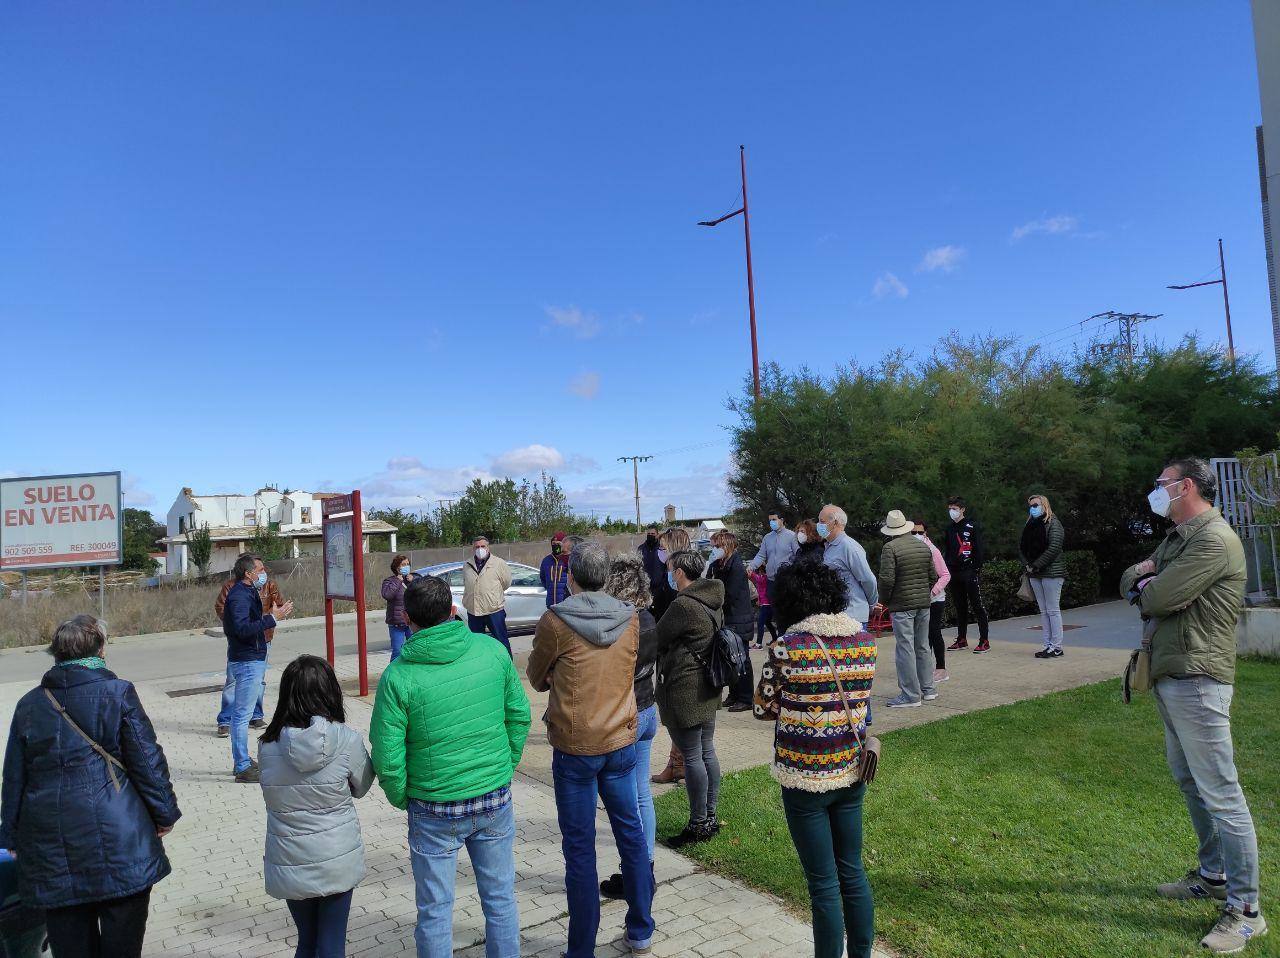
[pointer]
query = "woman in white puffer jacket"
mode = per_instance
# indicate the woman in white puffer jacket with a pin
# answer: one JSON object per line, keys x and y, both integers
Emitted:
{"x": 313, "y": 767}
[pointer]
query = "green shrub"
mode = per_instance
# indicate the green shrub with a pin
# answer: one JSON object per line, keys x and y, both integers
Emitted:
{"x": 1001, "y": 578}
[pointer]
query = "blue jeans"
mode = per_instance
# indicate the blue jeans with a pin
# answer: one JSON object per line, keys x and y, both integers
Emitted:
{"x": 399, "y": 636}
{"x": 248, "y": 678}
{"x": 495, "y": 623}
{"x": 646, "y": 730}
{"x": 433, "y": 851}
{"x": 578, "y": 779}
{"x": 322, "y": 925}
{"x": 229, "y": 697}
{"x": 1197, "y": 737}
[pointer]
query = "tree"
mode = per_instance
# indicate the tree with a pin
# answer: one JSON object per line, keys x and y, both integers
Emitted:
{"x": 200, "y": 548}
{"x": 993, "y": 421}
{"x": 267, "y": 543}
{"x": 141, "y": 531}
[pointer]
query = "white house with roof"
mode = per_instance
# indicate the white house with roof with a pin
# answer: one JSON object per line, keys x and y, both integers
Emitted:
{"x": 233, "y": 518}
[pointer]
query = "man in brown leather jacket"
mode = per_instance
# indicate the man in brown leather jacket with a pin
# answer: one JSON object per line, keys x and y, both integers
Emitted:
{"x": 584, "y": 653}
{"x": 271, "y": 598}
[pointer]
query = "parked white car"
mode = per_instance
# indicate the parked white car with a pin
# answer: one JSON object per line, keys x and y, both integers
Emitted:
{"x": 526, "y": 599}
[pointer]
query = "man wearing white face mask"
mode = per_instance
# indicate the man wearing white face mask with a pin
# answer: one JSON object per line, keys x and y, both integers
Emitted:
{"x": 777, "y": 548}
{"x": 485, "y": 581}
{"x": 965, "y": 557}
{"x": 1190, "y": 593}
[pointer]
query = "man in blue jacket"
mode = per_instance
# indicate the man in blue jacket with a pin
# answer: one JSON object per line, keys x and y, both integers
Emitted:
{"x": 245, "y": 625}
{"x": 554, "y": 571}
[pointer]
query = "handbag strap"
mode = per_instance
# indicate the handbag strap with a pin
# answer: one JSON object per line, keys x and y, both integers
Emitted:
{"x": 112, "y": 762}
{"x": 835, "y": 674}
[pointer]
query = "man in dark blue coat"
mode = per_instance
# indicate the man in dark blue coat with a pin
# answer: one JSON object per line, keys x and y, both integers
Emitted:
{"x": 86, "y": 800}
{"x": 245, "y": 626}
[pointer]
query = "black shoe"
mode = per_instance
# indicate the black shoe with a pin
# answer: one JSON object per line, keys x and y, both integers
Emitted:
{"x": 740, "y": 707}
{"x": 693, "y": 834}
{"x": 611, "y": 887}
{"x": 1044, "y": 653}
{"x": 248, "y": 776}
{"x": 258, "y": 723}
{"x": 1056, "y": 654}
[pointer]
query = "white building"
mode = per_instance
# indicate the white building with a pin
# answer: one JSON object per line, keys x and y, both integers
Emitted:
{"x": 234, "y": 518}
{"x": 707, "y": 528}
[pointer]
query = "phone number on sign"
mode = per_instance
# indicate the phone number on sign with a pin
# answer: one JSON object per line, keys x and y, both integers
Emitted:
{"x": 38, "y": 549}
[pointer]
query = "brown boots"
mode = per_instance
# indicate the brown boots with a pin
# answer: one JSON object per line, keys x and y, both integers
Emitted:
{"x": 674, "y": 772}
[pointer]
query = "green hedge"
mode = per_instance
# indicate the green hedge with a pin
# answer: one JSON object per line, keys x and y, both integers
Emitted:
{"x": 1000, "y": 579}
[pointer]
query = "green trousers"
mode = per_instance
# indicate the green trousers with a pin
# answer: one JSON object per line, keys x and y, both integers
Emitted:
{"x": 826, "y": 828}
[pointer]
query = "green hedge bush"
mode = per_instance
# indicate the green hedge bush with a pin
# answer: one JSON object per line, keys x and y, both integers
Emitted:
{"x": 1000, "y": 579}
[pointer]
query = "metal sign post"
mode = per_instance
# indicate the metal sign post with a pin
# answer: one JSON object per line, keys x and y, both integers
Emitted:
{"x": 344, "y": 571}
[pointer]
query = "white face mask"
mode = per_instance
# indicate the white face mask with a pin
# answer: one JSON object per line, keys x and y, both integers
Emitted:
{"x": 482, "y": 553}
{"x": 717, "y": 553}
{"x": 955, "y": 514}
{"x": 801, "y": 538}
{"x": 1161, "y": 501}
{"x": 919, "y": 535}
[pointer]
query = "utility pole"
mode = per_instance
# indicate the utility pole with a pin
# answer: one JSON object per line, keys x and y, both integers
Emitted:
{"x": 1125, "y": 322}
{"x": 751, "y": 286}
{"x": 1226, "y": 300}
{"x": 635, "y": 472}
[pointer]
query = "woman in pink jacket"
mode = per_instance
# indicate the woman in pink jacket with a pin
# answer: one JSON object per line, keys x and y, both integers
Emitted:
{"x": 939, "y": 605}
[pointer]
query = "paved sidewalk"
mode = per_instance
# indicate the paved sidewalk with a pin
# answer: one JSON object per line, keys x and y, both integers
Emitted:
{"x": 214, "y": 903}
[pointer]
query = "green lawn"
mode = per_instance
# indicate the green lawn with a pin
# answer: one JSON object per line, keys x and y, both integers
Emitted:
{"x": 1034, "y": 829}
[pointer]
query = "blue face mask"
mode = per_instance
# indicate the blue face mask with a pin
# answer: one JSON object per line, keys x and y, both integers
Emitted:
{"x": 774, "y": 524}
{"x": 717, "y": 554}
{"x": 822, "y": 530}
{"x": 671, "y": 579}
{"x": 1036, "y": 512}
{"x": 262, "y": 579}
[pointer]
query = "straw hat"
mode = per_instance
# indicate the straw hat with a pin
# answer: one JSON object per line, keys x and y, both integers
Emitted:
{"x": 896, "y": 524}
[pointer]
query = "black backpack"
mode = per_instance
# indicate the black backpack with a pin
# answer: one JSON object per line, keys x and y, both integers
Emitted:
{"x": 729, "y": 659}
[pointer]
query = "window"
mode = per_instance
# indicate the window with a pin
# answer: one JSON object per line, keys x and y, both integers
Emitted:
{"x": 525, "y": 578}
{"x": 182, "y": 524}
{"x": 306, "y": 515}
{"x": 250, "y": 517}
{"x": 454, "y": 578}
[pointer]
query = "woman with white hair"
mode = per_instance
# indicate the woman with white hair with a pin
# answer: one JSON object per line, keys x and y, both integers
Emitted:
{"x": 86, "y": 800}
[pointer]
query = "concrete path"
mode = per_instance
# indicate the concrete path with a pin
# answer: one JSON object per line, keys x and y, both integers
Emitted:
{"x": 214, "y": 903}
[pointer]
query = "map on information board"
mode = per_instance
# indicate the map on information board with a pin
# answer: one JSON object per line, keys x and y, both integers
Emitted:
{"x": 339, "y": 560}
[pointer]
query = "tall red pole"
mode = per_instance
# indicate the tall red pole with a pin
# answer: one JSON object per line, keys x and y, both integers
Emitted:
{"x": 357, "y": 533}
{"x": 751, "y": 286}
{"x": 1226, "y": 305}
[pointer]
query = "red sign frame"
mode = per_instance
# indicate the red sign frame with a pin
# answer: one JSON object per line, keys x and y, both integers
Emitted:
{"x": 346, "y": 508}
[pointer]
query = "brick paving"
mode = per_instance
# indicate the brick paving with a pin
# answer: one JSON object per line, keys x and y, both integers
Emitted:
{"x": 215, "y": 904}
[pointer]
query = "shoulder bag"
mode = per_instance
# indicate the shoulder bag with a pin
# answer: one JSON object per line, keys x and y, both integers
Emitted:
{"x": 869, "y": 755}
{"x": 113, "y": 763}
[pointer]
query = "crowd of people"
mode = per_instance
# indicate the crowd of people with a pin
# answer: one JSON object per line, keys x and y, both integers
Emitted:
{"x": 623, "y": 647}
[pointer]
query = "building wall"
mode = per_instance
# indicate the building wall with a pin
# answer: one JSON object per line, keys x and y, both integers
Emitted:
{"x": 1266, "y": 40}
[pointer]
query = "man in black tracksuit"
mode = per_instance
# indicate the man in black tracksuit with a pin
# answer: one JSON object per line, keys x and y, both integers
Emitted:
{"x": 965, "y": 554}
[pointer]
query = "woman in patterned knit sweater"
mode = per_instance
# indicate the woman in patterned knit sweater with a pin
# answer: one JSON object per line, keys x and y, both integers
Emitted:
{"x": 816, "y": 748}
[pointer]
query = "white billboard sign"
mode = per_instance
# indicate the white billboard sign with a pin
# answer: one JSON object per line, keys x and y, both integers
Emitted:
{"x": 52, "y": 521}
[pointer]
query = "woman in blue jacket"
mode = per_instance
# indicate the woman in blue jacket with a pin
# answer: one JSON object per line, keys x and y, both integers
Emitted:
{"x": 86, "y": 800}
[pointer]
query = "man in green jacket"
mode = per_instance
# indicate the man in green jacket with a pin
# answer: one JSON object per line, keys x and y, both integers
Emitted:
{"x": 449, "y": 725}
{"x": 1190, "y": 593}
{"x": 906, "y": 583}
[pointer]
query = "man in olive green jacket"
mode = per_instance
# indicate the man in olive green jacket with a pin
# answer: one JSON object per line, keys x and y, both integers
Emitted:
{"x": 449, "y": 725}
{"x": 906, "y": 583}
{"x": 1190, "y": 593}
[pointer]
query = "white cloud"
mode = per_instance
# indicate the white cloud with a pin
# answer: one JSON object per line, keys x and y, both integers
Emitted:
{"x": 698, "y": 489}
{"x": 580, "y": 324}
{"x": 586, "y": 385}
{"x": 133, "y": 494}
{"x": 889, "y": 285}
{"x": 941, "y": 258}
{"x": 527, "y": 459}
{"x": 1048, "y": 225}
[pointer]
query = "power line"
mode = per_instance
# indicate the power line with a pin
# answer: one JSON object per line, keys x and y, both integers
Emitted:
{"x": 635, "y": 473}
{"x": 1125, "y": 323}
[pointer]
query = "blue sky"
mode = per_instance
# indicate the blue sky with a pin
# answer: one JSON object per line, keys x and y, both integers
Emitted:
{"x": 398, "y": 245}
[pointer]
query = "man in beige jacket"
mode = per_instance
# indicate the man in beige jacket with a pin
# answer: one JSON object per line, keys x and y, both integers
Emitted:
{"x": 485, "y": 581}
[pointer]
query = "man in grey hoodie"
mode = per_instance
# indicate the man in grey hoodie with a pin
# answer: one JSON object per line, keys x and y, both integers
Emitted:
{"x": 584, "y": 653}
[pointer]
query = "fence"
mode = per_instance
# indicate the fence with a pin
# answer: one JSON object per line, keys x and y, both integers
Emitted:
{"x": 1248, "y": 496}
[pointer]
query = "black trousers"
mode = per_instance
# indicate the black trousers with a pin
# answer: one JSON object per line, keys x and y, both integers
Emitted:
{"x": 936, "y": 642}
{"x": 99, "y": 929}
{"x": 968, "y": 592}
